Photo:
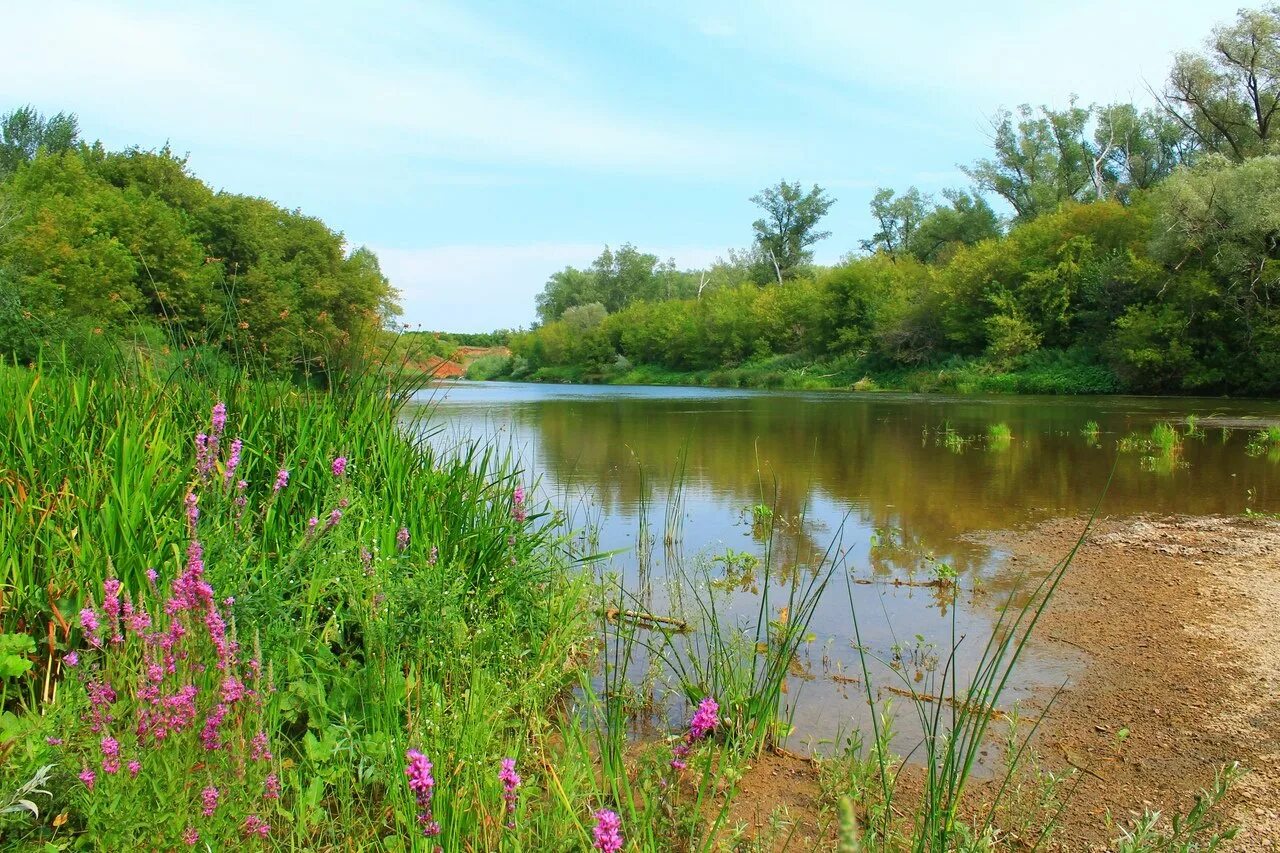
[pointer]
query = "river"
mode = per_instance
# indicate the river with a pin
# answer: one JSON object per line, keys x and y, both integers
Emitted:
{"x": 893, "y": 490}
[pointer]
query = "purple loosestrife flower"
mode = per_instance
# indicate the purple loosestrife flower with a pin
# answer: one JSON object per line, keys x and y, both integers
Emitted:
{"x": 112, "y": 607}
{"x": 517, "y": 504}
{"x": 607, "y": 832}
{"x": 282, "y": 480}
{"x": 204, "y": 456}
{"x": 233, "y": 461}
{"x": 704, "y": 719}
{"x": 510, "y": 780}
{"x": 271, "y": 786}
{"x": 402, "y": 539}
{"x": 339, "y": 466}
{"x": 254, "y": 825}
{"x": 311, "y": 523}
{"x": 260, "y": 747}
{"x": 88, "y": 777}
{"x": 135, "y": 767}
{"x": 71, "y": 659}
{"x": 433, "y": 556}
{"x": 218, "y": 418}
{"x": 190, "y": 837}
{"x": 152, "y": 576}
{"x": 110, "y": 747}
{"x": 90, "y": 625}
{"x": 422, "y": 783}
{"x": 209, "y": 798}
{"x": 193, "y": 511}
{"x": 334, "y": 518}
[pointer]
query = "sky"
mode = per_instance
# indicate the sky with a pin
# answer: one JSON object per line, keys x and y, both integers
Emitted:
{"x": 479, "y": 147}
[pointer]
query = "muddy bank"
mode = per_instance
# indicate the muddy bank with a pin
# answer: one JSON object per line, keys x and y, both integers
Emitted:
{"x": 1176, "y": 625}
{"x": 1176, "y": 622}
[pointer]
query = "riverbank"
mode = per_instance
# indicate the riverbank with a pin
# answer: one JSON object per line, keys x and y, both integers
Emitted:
{"x": 1172, "y": 622}
{"x": 1047, "y": 372}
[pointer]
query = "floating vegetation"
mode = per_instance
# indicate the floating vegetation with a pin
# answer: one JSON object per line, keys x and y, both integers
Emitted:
{"x": 999, "y": 436}
{"x": 1265, "y": 441}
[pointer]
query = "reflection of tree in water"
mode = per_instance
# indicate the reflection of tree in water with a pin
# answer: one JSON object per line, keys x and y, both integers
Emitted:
{"x": 868, "y": 456}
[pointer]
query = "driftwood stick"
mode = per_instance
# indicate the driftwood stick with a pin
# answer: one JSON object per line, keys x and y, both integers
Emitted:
{"x": 613, "y": 614}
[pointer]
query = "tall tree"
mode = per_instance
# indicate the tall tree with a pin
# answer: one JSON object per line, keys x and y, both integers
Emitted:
{"x": 25, "y": 131}
{"x": 789, "y": 226}
{"x": 898, "y": 217}
{"x": 1042, "y": 158}
{"x": 1135, "y": 150}
{"x": 1227, "y": 97}
{"x": 967, "y": 220}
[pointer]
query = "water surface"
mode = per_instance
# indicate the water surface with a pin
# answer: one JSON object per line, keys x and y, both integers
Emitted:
{"x": 903, "y": 486}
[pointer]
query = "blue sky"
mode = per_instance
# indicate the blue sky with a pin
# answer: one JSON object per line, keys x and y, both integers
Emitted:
{"x": 479, "y": 147}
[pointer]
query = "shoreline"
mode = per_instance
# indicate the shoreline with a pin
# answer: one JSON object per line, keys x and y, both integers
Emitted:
{"x": 1172, "y": 621}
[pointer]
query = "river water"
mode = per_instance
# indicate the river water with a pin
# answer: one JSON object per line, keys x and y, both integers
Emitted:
{"x": 890, "y": 489}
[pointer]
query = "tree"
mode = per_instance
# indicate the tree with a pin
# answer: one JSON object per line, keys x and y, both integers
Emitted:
{"x": 1042, "y": 159}
{"x": 1227, "y": 98}
{"x": 25, "y": 131}
{"x": 563, "y": 290}
{"x": 898, "y": 218}
{"x": 967, "y": 220}
{"x": 1139, "y": 149}
{"x": 789, "y": 227}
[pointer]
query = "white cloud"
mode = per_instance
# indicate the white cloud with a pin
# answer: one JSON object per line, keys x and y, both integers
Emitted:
{"x": 477, "y": 288}
{"x": 1007, "y": 51}
{"x": 214, "y": 76}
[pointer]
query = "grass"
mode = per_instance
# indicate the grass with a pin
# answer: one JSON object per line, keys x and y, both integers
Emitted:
{"x": 404, "y": 600}
{"x": 999, "y": 436}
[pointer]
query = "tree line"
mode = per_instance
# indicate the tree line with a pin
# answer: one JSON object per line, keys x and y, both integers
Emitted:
{"x": 1140, "y": 245}
{"x": 99, "y": 248}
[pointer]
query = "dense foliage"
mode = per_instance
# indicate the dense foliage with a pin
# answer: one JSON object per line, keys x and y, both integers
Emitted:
{"x": 1139, "y": 256}
{"x": 100, "y": 246}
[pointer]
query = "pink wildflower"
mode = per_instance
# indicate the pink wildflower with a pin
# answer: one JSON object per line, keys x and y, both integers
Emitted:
{"x": 190, "y": 837}
{"x": 282, "y": 479}
{"x": 233, "y": 461}
{"x": 402, "y": 539}
{"x": 704, "y": 719}
{"x": 340, "y": 466}
{"x": 607, "y": 832}
{"x": 271, "y": 787}
{"x": 193, "y": 511}
{"x": 209, "y": 797}
{"x": 254, "y": 825}
{"x": 517, "y": 504}
{"x": 218, "y": 418}
{"x": 510, "y": 780}
{"x": 88, "y": 777}
{"x": 90, "y": 625}
{"x": 71, "y": 659}
{"x": 421, "y": 782}
{"x": 135, "y": 767}
{"x": 260, "y": 747}
{"x": 334, "y": 518}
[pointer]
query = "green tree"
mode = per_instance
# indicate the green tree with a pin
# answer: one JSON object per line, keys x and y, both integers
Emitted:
{"x": 967, "y": 219}
{"x": 1227, "y": 97}
{"x": 789, "y": 226}
{"x": 1135, "y": 149}
{"x": 24, "y": 131}
{"x": 1042, "y": 158}
{"x": 898, "y": 217}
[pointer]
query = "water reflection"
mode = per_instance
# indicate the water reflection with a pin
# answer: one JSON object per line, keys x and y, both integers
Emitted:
{"x": 905, "y": 481}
